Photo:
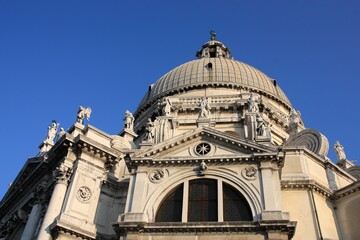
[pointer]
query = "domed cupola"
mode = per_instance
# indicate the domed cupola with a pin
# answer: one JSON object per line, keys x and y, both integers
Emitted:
{"x": 225, "y": 83}
{"x": 213, "y": 49}
{"x": 214, "y": 68}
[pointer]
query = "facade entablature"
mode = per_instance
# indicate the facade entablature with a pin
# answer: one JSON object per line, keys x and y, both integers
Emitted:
{"x": 349, "y": 190}
{"x": 246, "y": 159}
{"x": 287, "y": 185}
{"x": 205, "y": 134}
{"x": 185, "y": 229}
{"x": 108, "y": 155}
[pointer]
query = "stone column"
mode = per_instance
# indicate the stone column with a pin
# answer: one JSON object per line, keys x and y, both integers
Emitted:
{"x": 32, "y": 222}
{"x": 62, "y": 176}
{"x": 35, "y": 214}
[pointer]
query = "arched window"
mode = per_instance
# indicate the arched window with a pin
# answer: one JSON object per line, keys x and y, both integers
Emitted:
{"x": 204, "y": 200}
{"x": 171, "y": 208}
{"x": 236, "y": 207}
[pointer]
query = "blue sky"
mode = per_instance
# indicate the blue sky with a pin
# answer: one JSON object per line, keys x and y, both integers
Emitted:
{"x": 57, "y": 55}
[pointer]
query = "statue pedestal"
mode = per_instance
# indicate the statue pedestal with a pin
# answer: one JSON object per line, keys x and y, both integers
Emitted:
{"x": 45, "y": 146}
{"x": 203, "y": 122}
{"x": 128, "y": 134}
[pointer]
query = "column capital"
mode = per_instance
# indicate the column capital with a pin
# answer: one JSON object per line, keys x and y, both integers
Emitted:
{"x": 62, "y": 174}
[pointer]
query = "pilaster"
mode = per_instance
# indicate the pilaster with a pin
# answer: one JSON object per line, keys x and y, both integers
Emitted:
{"x": 271, "y": 192}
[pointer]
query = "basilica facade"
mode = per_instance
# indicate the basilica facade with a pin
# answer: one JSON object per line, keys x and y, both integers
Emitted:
{"x": 214, "y": 150}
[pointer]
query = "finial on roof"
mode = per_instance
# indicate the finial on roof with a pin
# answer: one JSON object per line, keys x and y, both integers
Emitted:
{"x": 213, "y": 35}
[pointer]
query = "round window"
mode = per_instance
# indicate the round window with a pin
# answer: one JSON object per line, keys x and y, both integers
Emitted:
{"x": 203, "y": 148}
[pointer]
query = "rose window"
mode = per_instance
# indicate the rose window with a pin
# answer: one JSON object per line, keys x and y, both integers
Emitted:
{"x": 203, "y": 148}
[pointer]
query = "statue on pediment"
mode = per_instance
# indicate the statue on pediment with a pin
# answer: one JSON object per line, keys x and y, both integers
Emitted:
{"x": 129, "y": 121}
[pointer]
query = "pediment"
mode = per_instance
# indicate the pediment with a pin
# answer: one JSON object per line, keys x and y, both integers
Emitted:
{"x": 217, "y": 144}
{"x": 29, "y": 167}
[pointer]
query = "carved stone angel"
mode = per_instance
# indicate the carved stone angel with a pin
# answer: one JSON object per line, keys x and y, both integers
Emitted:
{"x": 83, "y": 113}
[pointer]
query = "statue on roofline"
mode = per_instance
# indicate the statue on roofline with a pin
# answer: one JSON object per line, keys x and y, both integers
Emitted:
{"x": 129, "y": 121}
{"x": 52, "y": 130}
{"x": 83, "y": 113}
{"x": 339, "y": 150}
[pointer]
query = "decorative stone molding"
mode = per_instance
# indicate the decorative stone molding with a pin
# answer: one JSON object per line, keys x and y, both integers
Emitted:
{"x": 40, "y": 193}
{"x": 185, "y": 161}
{"x": 107, "y": 155}
{"x": 84, "y": 194}
{"x": 62, "y": 174}
{"x": 156, "y": 175}
{"x": 249, "y": 173}
{"x": 69, "y": 231}
{"x": 311, "y": 139}
{"x": 202, "y": 168}
{"x": 348, "y": 190}
{"x": 306, "y": 184}
{"x": 286, "y": 227}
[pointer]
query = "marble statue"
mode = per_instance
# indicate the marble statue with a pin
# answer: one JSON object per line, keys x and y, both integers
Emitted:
{"x": 204, "y": 105}
{"x": 294, "y": 117}
{"x": 339, "y": 150}
{"x": 252, "y": 104}
{"x": 260, "y": 126}
{"x": 129, "y": 121}
{"x": 150, "y": 130}
{"x": 60, "y": 133}
{"x": 52, "y": 129}
{"x": 167, "y": 107}
{"x": 83, "y": 113}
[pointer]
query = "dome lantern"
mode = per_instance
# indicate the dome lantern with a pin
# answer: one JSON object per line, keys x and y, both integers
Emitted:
{"x": 213, "y": 49}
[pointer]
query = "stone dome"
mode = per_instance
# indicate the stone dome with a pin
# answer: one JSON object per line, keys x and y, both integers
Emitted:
{"x": 214, "y": 68}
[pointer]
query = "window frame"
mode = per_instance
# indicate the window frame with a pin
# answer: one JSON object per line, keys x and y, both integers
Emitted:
{"x": 220, "y": 199}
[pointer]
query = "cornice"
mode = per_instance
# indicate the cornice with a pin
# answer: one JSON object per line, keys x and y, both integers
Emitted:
{"x": 284, "y": 226}
{"x": 323, "y": 162}
{"x": 218, "y": 160}
{"x": 306, "y": 185}
{"x": 108, "y": 155}
{"x": 208, "y": 133}
{"x": 348, "y": 190}
{"x": 70, "y": 231}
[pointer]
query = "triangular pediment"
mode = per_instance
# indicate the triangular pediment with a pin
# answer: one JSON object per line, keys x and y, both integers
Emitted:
{"x": 28, "y": 168}
{"x": 200, "y": 142}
